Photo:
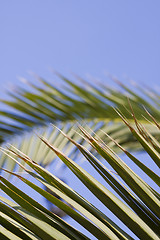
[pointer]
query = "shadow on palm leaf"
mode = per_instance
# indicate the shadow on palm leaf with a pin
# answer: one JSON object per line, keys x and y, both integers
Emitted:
{"x": 53, "y": 208}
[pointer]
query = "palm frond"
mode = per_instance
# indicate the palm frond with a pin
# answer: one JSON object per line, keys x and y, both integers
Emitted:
{"x": 133, "y": 200}
{"x": 35, "y": 108}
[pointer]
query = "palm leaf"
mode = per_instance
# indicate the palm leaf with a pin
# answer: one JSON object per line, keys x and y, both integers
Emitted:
{"x": 132, "y": 200}
{"x": 35, "y": 108}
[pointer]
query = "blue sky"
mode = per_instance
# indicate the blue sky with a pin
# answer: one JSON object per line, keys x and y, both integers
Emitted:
{"x": 87, "y": 37}
{"x": 84, "y": 37}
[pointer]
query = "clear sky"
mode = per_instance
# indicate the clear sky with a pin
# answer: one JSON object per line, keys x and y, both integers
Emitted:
{"x": 87, "y": 37}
